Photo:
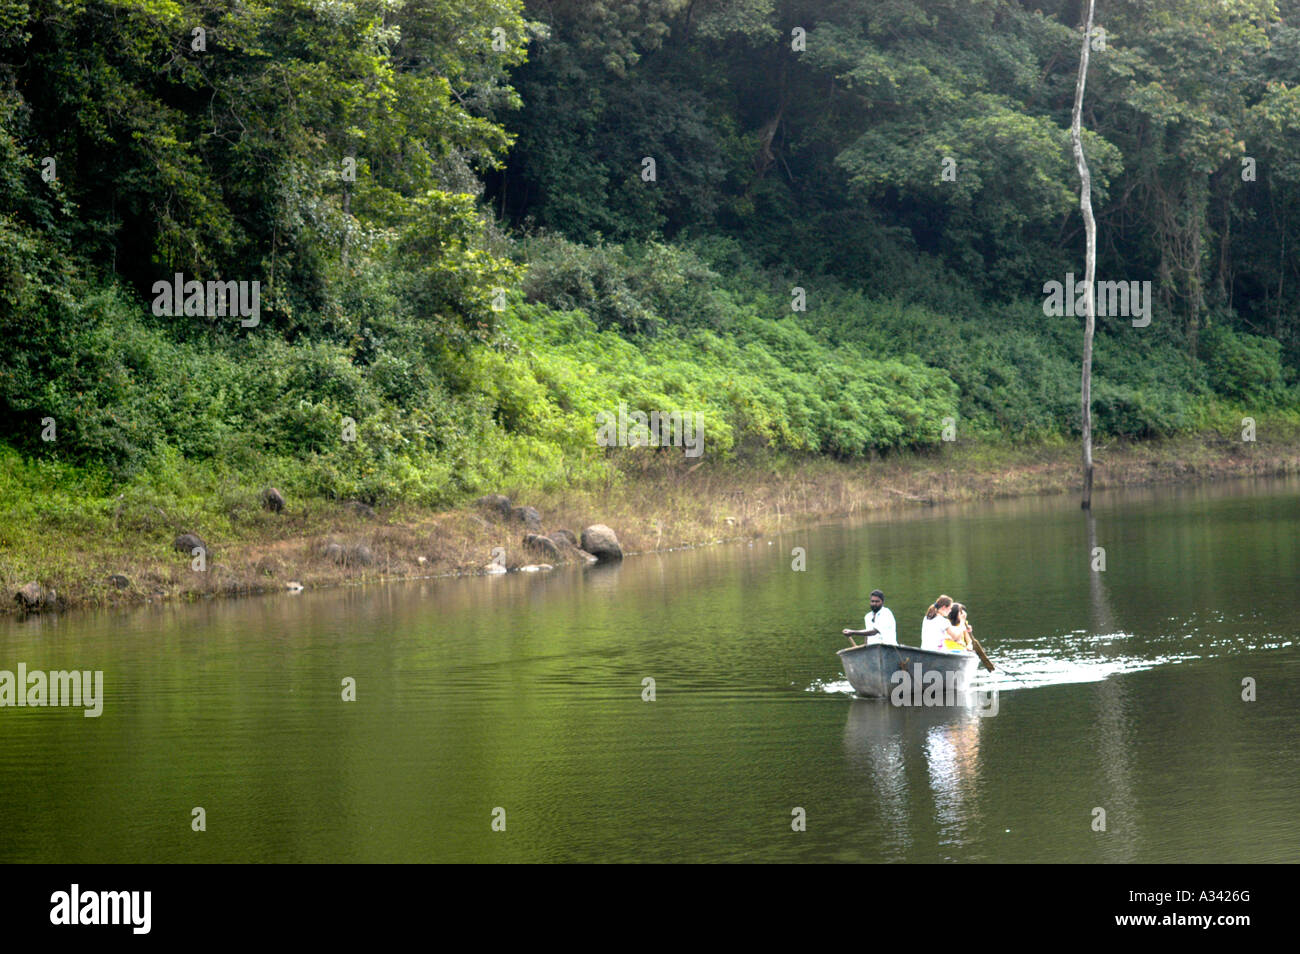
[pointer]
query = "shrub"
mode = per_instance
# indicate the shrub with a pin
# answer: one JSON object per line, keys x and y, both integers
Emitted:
{"x": 1241, "y": 366}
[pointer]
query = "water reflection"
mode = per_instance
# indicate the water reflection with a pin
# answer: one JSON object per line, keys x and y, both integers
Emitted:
{"x": 936, "y": 748}
{"x": 952, "y": 758}
{"x": 874, "y": 743}
{"x": 1113, "y": 737}
{"x": 1098, "y": 598}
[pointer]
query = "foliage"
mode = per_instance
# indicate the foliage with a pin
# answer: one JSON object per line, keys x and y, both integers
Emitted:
{"x": 498, "y": 270}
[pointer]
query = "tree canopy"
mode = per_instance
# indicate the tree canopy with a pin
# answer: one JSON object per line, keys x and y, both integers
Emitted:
{"x": 448, "y": 208}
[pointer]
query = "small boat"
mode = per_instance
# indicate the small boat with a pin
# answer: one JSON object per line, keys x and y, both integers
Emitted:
{"x": 870, "y": 669}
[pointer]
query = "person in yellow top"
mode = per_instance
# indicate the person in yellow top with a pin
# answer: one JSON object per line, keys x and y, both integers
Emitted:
{"x": 957, "y": 636}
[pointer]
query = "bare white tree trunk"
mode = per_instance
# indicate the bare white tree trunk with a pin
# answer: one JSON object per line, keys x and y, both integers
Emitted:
{"x": 1090, "y": 266}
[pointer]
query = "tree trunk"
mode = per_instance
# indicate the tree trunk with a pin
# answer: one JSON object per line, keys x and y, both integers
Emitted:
{"x": 1090, "y": 264}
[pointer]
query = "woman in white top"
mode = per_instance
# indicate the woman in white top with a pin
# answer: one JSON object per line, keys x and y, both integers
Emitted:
{"x": 935, "y": 622}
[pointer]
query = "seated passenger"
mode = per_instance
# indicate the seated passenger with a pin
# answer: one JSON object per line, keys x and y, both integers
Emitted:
{"x": 935, "y": 622}
{"x": 957, "y": 635}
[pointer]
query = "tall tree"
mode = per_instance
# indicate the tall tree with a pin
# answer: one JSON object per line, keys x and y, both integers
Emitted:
{"x": 1090, "y": 263}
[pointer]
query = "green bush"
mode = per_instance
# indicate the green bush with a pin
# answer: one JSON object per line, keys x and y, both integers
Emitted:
{"x": 697, "y": 328}
{"x": 1241, "y": 366}
{"x": 1125, "y": 411}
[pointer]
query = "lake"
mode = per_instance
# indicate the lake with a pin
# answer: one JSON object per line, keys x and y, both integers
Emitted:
{"x": 508, "y": 718}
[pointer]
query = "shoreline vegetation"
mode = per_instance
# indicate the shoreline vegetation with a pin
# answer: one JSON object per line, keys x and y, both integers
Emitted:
{"x": 98, "y": 553}
{"x": 434, "y": 253}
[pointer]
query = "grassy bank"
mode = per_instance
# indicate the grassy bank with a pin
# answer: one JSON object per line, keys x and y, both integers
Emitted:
{"x": 66, "y": 534}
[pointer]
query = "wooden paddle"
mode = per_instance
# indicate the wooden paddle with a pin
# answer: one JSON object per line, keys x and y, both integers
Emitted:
{"x": 979, "y": 651}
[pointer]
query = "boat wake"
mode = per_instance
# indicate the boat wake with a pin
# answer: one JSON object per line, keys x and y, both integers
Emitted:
{"x": 839, "y": 686}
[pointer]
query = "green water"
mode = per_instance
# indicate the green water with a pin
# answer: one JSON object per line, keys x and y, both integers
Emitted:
{"x": 525, "y": 693}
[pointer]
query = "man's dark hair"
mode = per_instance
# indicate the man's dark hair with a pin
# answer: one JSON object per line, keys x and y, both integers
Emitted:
{"x": 878, "y": 593}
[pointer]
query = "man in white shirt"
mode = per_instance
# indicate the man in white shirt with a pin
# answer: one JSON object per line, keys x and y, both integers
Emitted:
{"x": 880, "y": 625}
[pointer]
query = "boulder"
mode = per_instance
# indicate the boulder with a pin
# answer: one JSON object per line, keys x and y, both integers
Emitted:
{"x": 30, "y": 596}
{"x": 542, "y": 545}
{"x": 495, "y": 504}
{"x": 334, "y": 553}
{"x": 566, "y": 535}
{"x": 529, "y": 517}
{"x": 118, "y": 580}
{"x": 272, "y": 500}
{"x": 360, "y": 555}
{"x": 186, "y": 543}
{"x": 600, "y": 542}
{"x": 360, "y": 509}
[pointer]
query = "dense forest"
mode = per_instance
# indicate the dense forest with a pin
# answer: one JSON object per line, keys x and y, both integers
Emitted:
{"x": 825, "y": 226}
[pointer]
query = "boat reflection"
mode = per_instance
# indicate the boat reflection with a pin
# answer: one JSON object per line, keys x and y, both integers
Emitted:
{"x": 919, "y": 759}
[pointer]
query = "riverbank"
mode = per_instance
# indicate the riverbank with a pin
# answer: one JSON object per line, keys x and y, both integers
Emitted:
{"x": 117, "y": 552}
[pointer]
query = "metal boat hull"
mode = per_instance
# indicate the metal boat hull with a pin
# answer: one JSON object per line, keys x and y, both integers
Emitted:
{"x": 870, "y": 669}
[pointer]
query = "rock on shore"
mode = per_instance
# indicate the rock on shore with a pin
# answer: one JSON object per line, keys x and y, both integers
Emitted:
{"x": 186, "y": 543}
{"x": 529, "y": 517}
{"x": 542, "y": 545}
{"x": 601, "y": 542}
{"x": 496, "y": 504}
{"x": 567, "y": 536}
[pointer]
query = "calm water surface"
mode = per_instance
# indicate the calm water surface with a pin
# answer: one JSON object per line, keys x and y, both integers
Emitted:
{"x": 525, "y": 693}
